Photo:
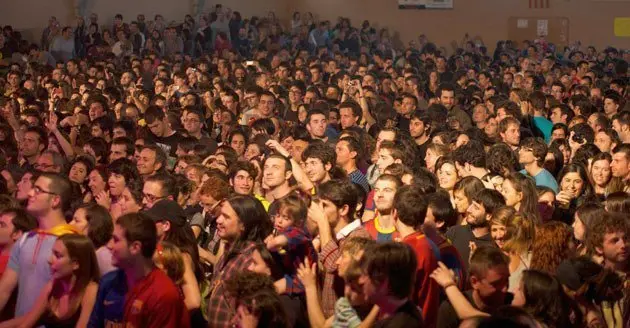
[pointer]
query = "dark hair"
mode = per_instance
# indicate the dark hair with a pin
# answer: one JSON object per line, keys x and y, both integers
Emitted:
{"x": 124, "y": 167}
{"x": 490, "y": 199}
{"x": 255, "y": 220}
{"x": 60, "y": 185}
{"x": 546, "y": 301}
{"x": 392, "y": 262}
{"x": 22, "y": 221}
{"x": 472, "y": 153}
{"x": 442, "y": 209}
{"x": 538, "y": 148}
{"x": 411, "y": 206}
{"x": 485, "y": 258}
{"x": 606, "y": 223}
{"x": 321, "y": 151}
{"x": 127, "y": 142}
{"x": 502, "y": 160}
{"x": 139, "y": 227}
{"x": 340, "y": 193}
{"x": 256, "y": 292}
{"x": 100, "y": 226}
{"x": 81, "y": 250}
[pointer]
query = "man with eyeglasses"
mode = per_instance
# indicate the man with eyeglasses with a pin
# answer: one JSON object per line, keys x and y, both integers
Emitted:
{"x": 193, "y": 123}
{"x": 50, "y": 161}
{"x": 158, "y": 187}
{"x": 28, "y": 266}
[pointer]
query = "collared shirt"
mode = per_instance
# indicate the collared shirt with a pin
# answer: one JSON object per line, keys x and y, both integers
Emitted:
{"x": 221, "y": 308}
{"x": 328, "y": 256}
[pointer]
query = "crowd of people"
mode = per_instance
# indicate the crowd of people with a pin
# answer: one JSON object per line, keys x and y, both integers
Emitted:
{"x": 230, "y": 172}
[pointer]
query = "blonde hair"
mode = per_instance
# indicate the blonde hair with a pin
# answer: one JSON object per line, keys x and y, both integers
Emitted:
{"x": 520, "y": 229}
{"x": 170, "y": 259}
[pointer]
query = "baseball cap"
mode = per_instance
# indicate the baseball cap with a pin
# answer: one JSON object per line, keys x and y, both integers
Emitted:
{"x": 167, "y": 210}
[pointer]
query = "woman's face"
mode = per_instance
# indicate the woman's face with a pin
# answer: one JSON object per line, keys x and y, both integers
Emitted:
{"x": 447, "y": 176}
{"x": 572, "y": 183}
{"x": 579, "y": 229}
{"x": 461, "y": 201}
{"x": 116, "y": 184}
{"x": 78, "y": 173}
{"x": 96, "y": 183}
{"x": 497, "y": 232}
{"x": 128, "y": 204}
{"x": 79, "y": 221}
{"x": 548, "y": 198}
{"x": 600, "y": 172}
{"x": 229, "y": 225}
{"x": 512, "y": 197}
{"x": 61, "y": 265}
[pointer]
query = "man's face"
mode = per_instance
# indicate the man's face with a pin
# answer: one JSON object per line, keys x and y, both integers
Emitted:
{"x": 620, "y": 165}
{"x": 558, "y": 134}
{"x": 476, "y": 215}
{"x": 158, "y": 127}
{"x": 344, "y": 155}
{"x": 147, "y": 164}
{"x": 266, "y": 105}
{"x": 384, "y": 160}
{"x": 408, "y": 106}
{"x": 603, "y": 142}
{"x": 512, "y": 136}
{"x": 117, "y": 151}
{"x": 416, "y": 128}
{"x": 121, "y": 252}
{"x": 317, "y": 125}
{"x": 479, "y": 114}
{"x": 557, "y": 117}
{"x": 7, "y": 230}
{"x": 347, "y": 118}
{"x": 315, "y": 170}
{"x": 274, "y": 172}
{"x": 192, "y": 123}
{"x": 615, "y": 248}
{"x": 384, "y": 192}
{"x": 96, "y": 111}
{"x": 610, "y": 108}
{"x": 30, "y": 145}
{"x": 45, "y": 163}
{"x": 526, "y": 156}
{"x": 243, "y": 183}
{"x": 492, "y": 287}
{"x": 152, "y": 193}
{"x": 40, "y": 198}
{"x": 447, "y": 99}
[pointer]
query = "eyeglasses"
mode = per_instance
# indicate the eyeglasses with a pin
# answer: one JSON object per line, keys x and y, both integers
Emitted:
{"x": 42, "y": 167}
{"x": 152, "y": 198}
{"x": 39, "y": 191}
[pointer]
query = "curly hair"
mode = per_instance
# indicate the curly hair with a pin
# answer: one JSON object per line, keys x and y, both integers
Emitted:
{"x": 501, "y": 160}
{"x": 257, "y": 293}
{"x": 551, "y": 246}
{"x": 606, "y": 223}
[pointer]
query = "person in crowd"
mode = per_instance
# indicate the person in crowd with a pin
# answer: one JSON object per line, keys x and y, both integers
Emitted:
{"x": 48, "y": 201}
{"x": 138, "y": 293}
{"x": 477, "y": 229}
{"x": 242, "y": 223}
{"x": 68, "y": 298}
{"x": 95, "y": 222}
{"x": 231, "y": 120}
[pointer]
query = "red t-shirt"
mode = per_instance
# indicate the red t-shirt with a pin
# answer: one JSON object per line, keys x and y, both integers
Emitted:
{"x": 155, "y": 302}
{"x": 427, "y": 292}
{"x": 4, "y": 260}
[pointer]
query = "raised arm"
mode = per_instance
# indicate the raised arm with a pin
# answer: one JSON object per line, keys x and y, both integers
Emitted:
{"x": 303, "y": 181}
{"x": 446, "y": 278}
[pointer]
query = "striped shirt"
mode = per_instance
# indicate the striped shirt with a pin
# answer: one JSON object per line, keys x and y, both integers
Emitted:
{"x": 357, "y": 177}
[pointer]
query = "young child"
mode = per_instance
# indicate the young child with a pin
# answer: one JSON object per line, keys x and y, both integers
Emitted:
{"x": 290, "y": 243}
{"x": 68, "y": 299}
{"x": 353, "y": 308}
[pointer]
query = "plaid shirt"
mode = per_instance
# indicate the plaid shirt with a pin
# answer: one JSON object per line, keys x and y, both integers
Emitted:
{"x": 328, "y": 257}
{"x": 221, "y": 310}
{"x": 299, "y": 247}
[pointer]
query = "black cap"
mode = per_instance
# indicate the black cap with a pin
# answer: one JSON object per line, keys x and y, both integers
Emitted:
{"x": 167, "y": 210}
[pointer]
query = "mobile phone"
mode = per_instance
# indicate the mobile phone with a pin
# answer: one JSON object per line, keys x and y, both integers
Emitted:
{"x": 249, "y": 63}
